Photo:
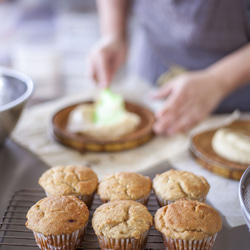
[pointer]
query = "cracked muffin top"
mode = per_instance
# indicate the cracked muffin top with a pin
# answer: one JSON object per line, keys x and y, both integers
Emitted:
{"x": 69, "y": 180}
{"x": 187, "y": 220}
{"x": 57, "y": 215}
{"x": 124, "y": 186}
{"x": 175, "y": 184}
{"x": 121, "y": 219}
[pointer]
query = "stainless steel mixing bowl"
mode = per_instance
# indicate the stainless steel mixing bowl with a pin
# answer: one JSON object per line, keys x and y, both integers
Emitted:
{"x": 15, "y": 90}
{"x": 244, "y": 195}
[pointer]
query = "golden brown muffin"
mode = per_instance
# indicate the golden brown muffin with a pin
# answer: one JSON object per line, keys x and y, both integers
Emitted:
{"x": 125, "y": 186}
{"x": 122, "y": 223}
{"x": 186, "y": 223}
{"x": 173, "y": 185}
{"x": 58, "y": 221}
{"x": 80, "y": 181}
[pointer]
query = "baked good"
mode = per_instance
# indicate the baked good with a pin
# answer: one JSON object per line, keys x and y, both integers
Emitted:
{"x": 58, "y": 222}
{"x": 188, "y": 225}
{"x": 125, "y": 186}
{"x": 232, "y": 145}
{"x": 106, "y": 118}
{"x": 173, "y": 185}
{"x": 122, "y": 224}
{"x": 80, "y": 181}
{"x": 80, "y": 121}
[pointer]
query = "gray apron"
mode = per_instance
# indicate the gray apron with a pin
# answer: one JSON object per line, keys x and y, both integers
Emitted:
{"x": 193, "y": 34}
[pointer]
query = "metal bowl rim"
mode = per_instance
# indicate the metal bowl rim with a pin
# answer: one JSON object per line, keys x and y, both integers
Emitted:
{"x": 22, "y": 77}
{"x": 246, "y": 213}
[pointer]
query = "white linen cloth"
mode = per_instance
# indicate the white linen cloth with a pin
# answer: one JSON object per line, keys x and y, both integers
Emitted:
{"x": 34, "y": 133}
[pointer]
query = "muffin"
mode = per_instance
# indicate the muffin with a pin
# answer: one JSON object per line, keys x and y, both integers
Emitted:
{"x": 122, "y": 224}
{"x": 188, "y": 225}
{"x": 58, "y": 222}
{"x": 125, "y": 186}
{"x": 79, "y": 181}
{"x": 173, "y": 185}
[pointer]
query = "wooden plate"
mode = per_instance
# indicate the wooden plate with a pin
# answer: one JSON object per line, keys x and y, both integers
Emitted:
{"x": 201, "y": 149}
{"x": 82, "y": 143}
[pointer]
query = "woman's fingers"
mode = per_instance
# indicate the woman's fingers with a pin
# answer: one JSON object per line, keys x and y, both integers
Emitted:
{"x": 191, "y": 98}
{"x": 163, "y": 92}
{"x": 188, "y": 119}
{"x": 105, "y": 59}
{"x": 168, "y": 116}
{"x": 104, "y": 72}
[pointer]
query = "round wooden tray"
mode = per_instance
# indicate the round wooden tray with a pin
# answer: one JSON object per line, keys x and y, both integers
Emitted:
{"x": 201, "y": 149}
{"x": 82, "y": 143}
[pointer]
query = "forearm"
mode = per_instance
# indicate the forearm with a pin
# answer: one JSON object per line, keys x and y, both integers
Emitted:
{"x": 113, "y": 15}
{"x": 233, "y": 71}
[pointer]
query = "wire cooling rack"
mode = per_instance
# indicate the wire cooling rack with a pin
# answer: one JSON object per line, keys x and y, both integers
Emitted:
{"x": 15, "y": 235}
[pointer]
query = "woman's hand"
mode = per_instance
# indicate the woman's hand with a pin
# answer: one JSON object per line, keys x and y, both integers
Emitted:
{"x": 106, "y": 58}
{"x": 190, "y": 97}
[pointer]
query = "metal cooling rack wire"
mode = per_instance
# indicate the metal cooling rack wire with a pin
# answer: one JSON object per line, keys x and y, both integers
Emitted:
{"x": 14, "y": 234}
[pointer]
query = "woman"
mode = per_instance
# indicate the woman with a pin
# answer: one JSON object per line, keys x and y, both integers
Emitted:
{"x": 208, "y": 38}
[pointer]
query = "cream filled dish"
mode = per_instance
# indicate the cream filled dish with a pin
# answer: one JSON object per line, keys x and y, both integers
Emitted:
{"x": 232, "y": 145}
{"x": 106, "y": 118}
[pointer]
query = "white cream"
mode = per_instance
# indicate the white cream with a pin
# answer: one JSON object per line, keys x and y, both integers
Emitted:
{"x": 233, "y": 145}
{"x": 80, "y": 120}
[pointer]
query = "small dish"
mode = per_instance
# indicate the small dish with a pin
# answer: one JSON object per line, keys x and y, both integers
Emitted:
{"x": 202, "y": 151}
{"x": 82, "y": 143}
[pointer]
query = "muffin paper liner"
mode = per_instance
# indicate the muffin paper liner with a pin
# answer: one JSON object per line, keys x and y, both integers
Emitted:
{"x": 60, "y": 242}
{"x": 123, "y": 244}
{"x": 177, "y": 244}
{"x": 162, "y": 202}
{"x": 87, "y": 199}
{"x": 143, "y": 201}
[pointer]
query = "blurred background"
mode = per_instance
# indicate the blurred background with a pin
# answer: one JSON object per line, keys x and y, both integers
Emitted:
{"x": 49, "y": 41}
